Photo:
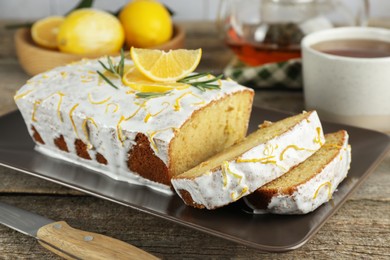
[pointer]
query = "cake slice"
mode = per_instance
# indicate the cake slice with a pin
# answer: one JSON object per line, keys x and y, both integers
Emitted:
{"x": 241, "y": 169}
{"x": 310, "y": 184}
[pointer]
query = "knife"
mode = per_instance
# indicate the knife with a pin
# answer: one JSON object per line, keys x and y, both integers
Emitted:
{"x": 65, "y": 241}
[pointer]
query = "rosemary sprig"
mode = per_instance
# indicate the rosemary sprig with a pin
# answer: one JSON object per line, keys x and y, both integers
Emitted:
{"x": 121, "y": 64}
{"x": 151, "y": 94}
{"x": 117, "y": 70}
{"x": 202, "y": 85}
{"x": 195, "y": 76}
{"x": 106, "y": 79}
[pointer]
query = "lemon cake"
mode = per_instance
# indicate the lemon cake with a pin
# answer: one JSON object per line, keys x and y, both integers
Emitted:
{"x": 73, "y": 114}
{"x": 310, "y": 184}
{"x": 241, "y": 169}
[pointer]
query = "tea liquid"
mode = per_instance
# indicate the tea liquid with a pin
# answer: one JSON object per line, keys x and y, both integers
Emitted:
{"x": 357, "y": 48}
{"x": 266, "y": 44}
{"x": 259, "y": 54}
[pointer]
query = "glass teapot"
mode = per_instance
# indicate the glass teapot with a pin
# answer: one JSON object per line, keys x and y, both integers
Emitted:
{"x": 265, "y": 31}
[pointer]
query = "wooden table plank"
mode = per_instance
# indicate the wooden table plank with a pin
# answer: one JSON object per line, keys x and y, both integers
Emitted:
{"x": 355, "y": 231}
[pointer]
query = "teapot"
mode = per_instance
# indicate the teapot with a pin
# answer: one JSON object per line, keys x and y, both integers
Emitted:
{"x": 267, "y": 31}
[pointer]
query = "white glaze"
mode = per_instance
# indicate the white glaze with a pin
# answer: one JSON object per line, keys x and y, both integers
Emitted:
{"x": 213, "y": 190}
{"x": 303, "y": 200}
{"x": 135, "y": 179}
{"x": 78, "y": 83}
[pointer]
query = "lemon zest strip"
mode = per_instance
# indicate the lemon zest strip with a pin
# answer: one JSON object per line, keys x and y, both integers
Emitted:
{"x": 329, "y": 185}
{"x": 59, "y": 106}
{"x": 281, "y": 157}
{"x": 119, "y": 129}
{"x": 226, "y": 170}
{"x": 136, "y": 111}
{"x": 71, "y": 118}
{"x": 36, "y": 104}
{"x": 152, "y": 134}
{"x": 23, "y": 94}
{"x": 242, "y": 193}
{"x": 149, "y": 115}
{"x": 64, "y": 74}
{"x": 263, "y": 160}
{"x": 177, "y": 105}
{"x": 112, "y": 104}
{"x": 85, "y": 130}
{"x": 270, "y": 149}
{"x": 317, "y": 139}
{"x": 97, "y": 102}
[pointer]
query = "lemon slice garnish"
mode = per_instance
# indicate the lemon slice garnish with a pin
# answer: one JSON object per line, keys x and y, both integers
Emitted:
{"x": 161, "y": 66}
{"x": 137, "y": 81}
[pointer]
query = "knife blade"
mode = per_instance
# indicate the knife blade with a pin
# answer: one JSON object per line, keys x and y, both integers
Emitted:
{"x": 65, "y": 241}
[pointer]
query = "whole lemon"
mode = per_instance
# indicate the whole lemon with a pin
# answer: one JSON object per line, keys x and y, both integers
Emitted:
{"x": 146, "y": 23}
{"x": 90, "y": 32}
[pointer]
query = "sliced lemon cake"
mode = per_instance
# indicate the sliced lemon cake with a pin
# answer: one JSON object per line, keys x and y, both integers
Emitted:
{"x": 310, "y": 184}
{"x": 241, "y": 169}
{"x": 86, "y": 115}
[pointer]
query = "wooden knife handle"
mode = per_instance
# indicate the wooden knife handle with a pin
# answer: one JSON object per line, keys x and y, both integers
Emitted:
{"x": 71, "y": 243}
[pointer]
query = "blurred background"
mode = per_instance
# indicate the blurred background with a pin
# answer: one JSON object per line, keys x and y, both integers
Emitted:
{"x": 184, "y": 9}
{"x": 264, "y": 35}
{"x": 33, "y": 9}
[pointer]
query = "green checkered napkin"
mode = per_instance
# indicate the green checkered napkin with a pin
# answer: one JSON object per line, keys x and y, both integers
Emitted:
{"x": 281, "y": 75}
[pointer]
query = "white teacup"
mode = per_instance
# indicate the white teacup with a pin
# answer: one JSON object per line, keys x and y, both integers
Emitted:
{"x": 349, "y": 90}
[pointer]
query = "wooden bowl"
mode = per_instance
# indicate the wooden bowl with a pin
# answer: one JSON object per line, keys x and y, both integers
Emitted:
{"x": 35, "y": 59}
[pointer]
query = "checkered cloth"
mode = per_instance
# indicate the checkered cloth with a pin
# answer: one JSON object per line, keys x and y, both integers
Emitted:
{"x": 282, "y": 75}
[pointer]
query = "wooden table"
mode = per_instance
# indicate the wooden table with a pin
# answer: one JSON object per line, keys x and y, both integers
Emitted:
{"x": 359, "y": 230}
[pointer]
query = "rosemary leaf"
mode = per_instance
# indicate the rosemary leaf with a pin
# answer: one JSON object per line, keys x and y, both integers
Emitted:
{"x": 121, "y": 64}
{"x": 200, "y": 88}
{"x": 212, "y": 80}
{"x": 210, "y": 86}
{"x": 202, "y": 85}
{"x": 151, "y": 94}
{"x": 106, "y": 79}
{"x": 104, "y": 66}
{"x": 117, "y": 70}
{"x": 191, "y": 77}
{"x": 112, "y": 67}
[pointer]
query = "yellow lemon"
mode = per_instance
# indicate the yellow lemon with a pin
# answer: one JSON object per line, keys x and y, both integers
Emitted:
{"x": 90, "y": 32}
{"x": 164, "y": 66}
{"x": 146, "y": 23}
{"x": 44, "y": 32}
{"x": 137, "y": 81}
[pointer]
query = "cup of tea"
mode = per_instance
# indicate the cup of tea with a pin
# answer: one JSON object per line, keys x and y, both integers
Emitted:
{"x": 346, "y": 76}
